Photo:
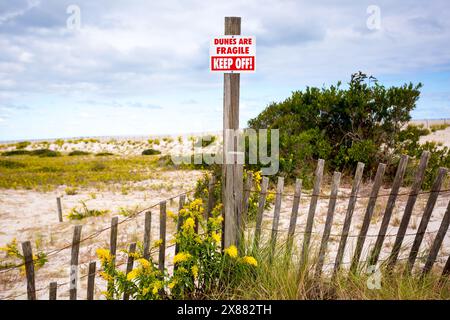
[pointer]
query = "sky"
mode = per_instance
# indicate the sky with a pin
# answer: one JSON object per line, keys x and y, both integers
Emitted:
{"x": 107, "y": 68}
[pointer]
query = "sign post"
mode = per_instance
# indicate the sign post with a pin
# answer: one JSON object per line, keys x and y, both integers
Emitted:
{"x": 232, "y": 54}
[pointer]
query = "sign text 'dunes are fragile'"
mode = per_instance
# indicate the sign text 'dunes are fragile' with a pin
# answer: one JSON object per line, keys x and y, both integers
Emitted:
{"x": 233, "y": 54}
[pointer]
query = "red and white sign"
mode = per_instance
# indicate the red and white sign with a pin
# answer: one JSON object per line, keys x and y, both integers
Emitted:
{"x": 233, "y": 54}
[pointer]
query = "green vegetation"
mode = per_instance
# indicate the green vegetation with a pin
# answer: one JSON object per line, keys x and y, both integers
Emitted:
{"x": 22, "y": 144}
{"x": 205, "y": 141}
{"x": 78, "y": 153}
{"x": 32, "y": 172}
{"x": 37, "y": 152}
{"x": 15, "y": 257}
{"x": 344, "y": 126}
{"x": 436, "y": 127}
{"x": 104, "y": 154}
{"x": 150, "y": 152}
{"x": 84, "y": 212}
{"x": 70, "y": 191}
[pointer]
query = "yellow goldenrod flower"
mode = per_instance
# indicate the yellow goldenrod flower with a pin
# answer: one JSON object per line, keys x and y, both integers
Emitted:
{"x": 157, "y": 243}
{"x": 133, "y": 274}
{"x": 172, "y": 283}
{"x": 171, "y": 214}
{"x": 156, "y": 286}
{"x": 106, "y": 276}
{"x": 145, "y": 291}
{"x": 217, "y": 237}
{"x": 104, "y": 255}
{"x": 144, "y": 263}
{"x": 181, "y": 257}
{"x": 231, "y": 251}
{"x": 188, "y": 225}
{"x": 194, "y": 270}
{"x": 250, "y": 260}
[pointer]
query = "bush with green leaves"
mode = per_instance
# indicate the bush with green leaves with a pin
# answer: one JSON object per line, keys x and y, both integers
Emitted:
{"x": 150, "y": 152}
{"x": 362, "y": 122}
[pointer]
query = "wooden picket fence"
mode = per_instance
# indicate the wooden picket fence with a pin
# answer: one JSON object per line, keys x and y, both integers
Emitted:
{"x": 243, "y": 225}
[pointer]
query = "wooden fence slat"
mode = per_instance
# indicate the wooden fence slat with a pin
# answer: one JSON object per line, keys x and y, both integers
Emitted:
{"x": 435, "y": 189}
{"x": 398, "y": 180}
{"x": 29, "y": 269}
{"x": 415, "y": 189}
{"x": 294, "y": 215}
{"x": 52, "y": 289}
{"x": 446, "y": 270}
{"x": 162, "y": 234}
{"x": 113, "y": 236}
{"x": 276, "y": 215}
{"x": 259, "y": 215}
{"x": 180, "y": 220}
{"x": 59, "y": 207}
{"x": 348, "y": 216}
{"x": 328, "y": 222}
{"x": 312, "y": 211}
{"x": 211, "y": 200}
{"x": 437, "y": 241}
{"x": 245, "y": 200}
{"x": 130, "y": 261}
{"x": 74, "y": 262}
{"x": 368, "y": 216}
{"x": 91, "y": 281}
{"x": 147, "y": 234}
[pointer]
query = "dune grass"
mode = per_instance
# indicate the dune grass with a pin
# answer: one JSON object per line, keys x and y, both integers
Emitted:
{"x": 47, "y": 173}
{"x": 280, "y": 278}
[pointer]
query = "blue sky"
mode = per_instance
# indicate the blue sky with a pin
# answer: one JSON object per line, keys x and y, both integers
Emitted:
{"x": 141, "y": 67}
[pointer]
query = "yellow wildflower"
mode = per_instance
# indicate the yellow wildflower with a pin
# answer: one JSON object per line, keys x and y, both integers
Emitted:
{"x": 172, "y": 283}
{"x": 104, "y": 255}
{"x": 171, "y": 214}
{"x": 189, "y": 225}
{"x": 145, "y": 291}
{"x": 144, "y": 263}
{"x": 181, "y": 257}
{"x": 194, "y": 270}
{"x": 156, "y": 286}
{"x": 250, "y": 260}
{"x": 217, "y": 237}
{"x": 133, "y": 274}
{"x": 157, "y": 243}
{"x": 231, "y": 251}
{"x": 106, "y": 276}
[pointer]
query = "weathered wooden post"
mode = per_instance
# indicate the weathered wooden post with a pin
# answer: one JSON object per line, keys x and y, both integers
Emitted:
{"x": 231, "y": 172}
{"x": 59, "y": 207}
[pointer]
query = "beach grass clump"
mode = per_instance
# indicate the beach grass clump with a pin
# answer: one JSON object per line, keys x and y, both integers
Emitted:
{"x": 78, "y": 153}
{"x": 77, "y": 213}
{"x": 150, "y": 152}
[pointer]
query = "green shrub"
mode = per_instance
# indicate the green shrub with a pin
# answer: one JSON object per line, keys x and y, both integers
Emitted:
{"x": 84, "y": 212}
{"x": 11, "y": 164}
{"x": 22, "y": 145}
{"x": 98, "y": 166}
{"x": 15, "y": 153}
{"x": 150, "y": 152}
{"x": 78, "y": 153}
{"x": 59, "y": 142}
{"x": 103, "y": 154}
{"x": 436, "y": 127}
{"x": 44, "y": 153}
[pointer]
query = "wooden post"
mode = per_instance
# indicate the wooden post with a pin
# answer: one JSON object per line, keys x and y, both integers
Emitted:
{"x": 231, "y": 172}
{"x": 437, "y": 241}
{"x": 29, "y": 269}
{"x": 147, "y": 234}
{"x": 259, "y": 215}
{"x": 294, "y": 215}
{"x": 130, "y": 261}
{"x": 52, "y": 288}
{"x": 162, "y": 235}
{"x": 312, "y": 211}
{"x": 446, "y": 270}
{"x": 113, "y": 236}
{"x": 74, "y": 262}
{"x": 348, "y": 216}
{"x": 415, "y": 189}
{"x": 91, "y": 281}
{"x": 58, "y": 205}
{"x": 398, "y": 180}
{"x": 276, "y": 215}
{"x": 435, "y": 189}
{"x": 368, "y": 216}
{"x": 180, "y": 221}
{"x": 328, "y": 222}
